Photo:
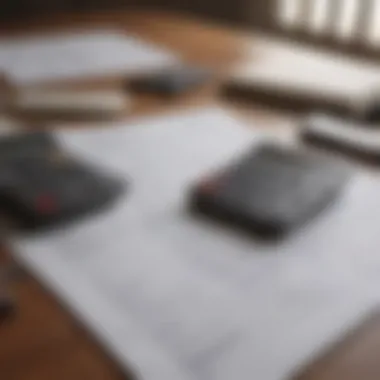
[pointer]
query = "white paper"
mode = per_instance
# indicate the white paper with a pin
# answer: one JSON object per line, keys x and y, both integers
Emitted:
{"x": 341, "y": 131}
{"x": 295, "y": 69}
{"x": 174, "y": 297}
{"x": 82, "y": 54}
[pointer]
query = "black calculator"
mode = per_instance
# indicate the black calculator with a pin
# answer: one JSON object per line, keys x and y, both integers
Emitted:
{"x": 42, "y": 186}
{"x": 271, "y": 190}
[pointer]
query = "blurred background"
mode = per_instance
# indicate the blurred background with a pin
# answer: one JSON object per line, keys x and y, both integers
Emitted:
{"x": 350, "y": 25}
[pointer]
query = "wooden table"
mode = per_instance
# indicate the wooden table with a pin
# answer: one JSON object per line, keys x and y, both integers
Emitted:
{"x": 43, "y": 341}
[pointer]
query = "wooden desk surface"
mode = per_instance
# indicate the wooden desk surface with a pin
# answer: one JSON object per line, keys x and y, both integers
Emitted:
{"x": 43, "y": 342}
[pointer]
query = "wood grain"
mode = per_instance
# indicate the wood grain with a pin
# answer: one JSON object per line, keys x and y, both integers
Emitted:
{"x": 355, "y": 357}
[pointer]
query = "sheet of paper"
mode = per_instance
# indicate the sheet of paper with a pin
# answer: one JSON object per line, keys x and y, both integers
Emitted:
{"x": 173, "y": 297}
{"x": 295, "y": 68}
{"x": 71, "y": 55}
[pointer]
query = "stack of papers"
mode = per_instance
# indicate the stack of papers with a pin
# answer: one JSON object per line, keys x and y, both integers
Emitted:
{"x": 293, "y": 71}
